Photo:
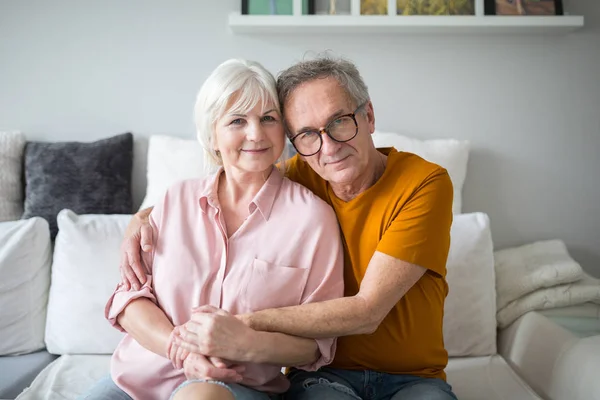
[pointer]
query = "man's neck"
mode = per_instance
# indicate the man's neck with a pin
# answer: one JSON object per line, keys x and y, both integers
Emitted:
{"x": 374, "y": 171}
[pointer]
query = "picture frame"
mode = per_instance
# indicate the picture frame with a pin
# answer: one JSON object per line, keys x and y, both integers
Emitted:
{"x": 275, "y": 7}
{"x": 439, "y": 7}
{"x": 373, "y": 7}
{"x": 332, "y": 7}
{"x": 524, "y": 7}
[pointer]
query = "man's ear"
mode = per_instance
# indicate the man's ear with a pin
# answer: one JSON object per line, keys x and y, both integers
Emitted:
{"x": 370, "y": 116}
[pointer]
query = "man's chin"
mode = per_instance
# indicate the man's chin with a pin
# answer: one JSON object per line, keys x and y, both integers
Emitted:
{"x": 342, "y": 176}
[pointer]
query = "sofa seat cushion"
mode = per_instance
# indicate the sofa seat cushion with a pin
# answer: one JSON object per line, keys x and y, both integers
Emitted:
{"x": 473, "y": 378}
{"x": 17, "y": 372}
{"x": 490, "y": 378}
{"x": 67, "y": 377}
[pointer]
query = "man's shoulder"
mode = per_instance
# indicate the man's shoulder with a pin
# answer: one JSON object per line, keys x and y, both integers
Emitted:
{"x": 298, "y": 170}
{"x": 409, "y": 169}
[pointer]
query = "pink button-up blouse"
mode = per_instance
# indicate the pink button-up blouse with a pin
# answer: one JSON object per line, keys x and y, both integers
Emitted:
{"x": 287, "y": 252}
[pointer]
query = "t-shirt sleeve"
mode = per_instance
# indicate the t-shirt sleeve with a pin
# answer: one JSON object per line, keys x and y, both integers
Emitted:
{"x": 420, "y": 231}
{"x": 326, "y": 277}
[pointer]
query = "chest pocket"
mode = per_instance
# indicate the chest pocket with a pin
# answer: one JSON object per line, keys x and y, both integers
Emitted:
{"x": 273, "y": 286}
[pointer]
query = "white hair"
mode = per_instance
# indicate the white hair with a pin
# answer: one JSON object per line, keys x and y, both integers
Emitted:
{"x": 249, "y": 81}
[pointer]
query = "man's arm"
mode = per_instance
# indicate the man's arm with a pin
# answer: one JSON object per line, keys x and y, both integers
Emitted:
{"x": 386, "y": 281}
{"x": 280, "y": 349}
{"x": 217, "y": 333}
{"x": 417, "y": 240}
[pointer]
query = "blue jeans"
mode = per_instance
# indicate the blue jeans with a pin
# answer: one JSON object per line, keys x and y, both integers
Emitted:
{"x": 338, "y": 384}
{"x": 239, "y": 392}
{"x": 105, "y": 389}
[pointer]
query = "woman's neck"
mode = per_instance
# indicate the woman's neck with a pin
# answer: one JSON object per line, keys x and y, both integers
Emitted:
{"x": 238, "y": 188}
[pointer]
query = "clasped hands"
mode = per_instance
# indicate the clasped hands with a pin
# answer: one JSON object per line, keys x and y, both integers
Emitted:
{"x": 213, "y": 344}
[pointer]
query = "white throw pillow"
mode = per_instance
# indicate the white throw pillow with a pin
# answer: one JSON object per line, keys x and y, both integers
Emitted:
{"x": 470, "y": 310}
{"x": 85, "y": 272}
{"x": 451, "y": 154}
{"x": 12, "y": 145}
{"x": 25, "y": 260}
{"x": 170, "y": 160}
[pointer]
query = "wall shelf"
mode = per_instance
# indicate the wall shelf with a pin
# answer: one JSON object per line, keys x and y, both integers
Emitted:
{"x": 385, "y": 24}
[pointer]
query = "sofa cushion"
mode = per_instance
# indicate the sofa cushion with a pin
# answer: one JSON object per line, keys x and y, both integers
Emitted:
{"x": 88, "y": 178}
{"x": 85, "y": 273}
{"x": 489, "y": 378}
{"x": 11, "y": 184}
{"x": 19, "y": 371}
{"x": 171, "y": 159}
{"x": 68, "y": 377}
{"x": 470, "y": 309}
{"x": 451, "y": 154}
{"x": 474, "y": 378}
{"x": 25, "y": 259}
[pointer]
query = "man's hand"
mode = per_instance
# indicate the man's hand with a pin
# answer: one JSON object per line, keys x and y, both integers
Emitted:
{"x": 196, "y": 366}
{"x": 216, "y": 333}
{"x": 138, "y": 235}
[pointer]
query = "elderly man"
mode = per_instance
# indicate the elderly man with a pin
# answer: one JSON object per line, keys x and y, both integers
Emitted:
{"x": 395, "y": 213}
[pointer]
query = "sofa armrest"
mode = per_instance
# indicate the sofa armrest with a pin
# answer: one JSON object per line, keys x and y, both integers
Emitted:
{"x": 553, "y": 361}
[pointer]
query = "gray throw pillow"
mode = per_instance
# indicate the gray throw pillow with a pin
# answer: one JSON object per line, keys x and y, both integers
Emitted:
{"x": 87, "y": 178}
{"x": 12, "y": 145}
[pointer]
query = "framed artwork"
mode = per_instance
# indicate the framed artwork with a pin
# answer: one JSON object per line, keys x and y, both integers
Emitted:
{"x": 333, "y": 7}
{"x": 275, "y": 7}
{"x": 435, "y": 7}
{"x": 523, "y": 7}
{"x": 373, "y": 7}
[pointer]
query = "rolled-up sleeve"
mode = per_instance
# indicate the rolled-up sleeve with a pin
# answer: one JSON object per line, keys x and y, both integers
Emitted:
{"x": 326, "y": 278}
{"x": 121, "y": 297}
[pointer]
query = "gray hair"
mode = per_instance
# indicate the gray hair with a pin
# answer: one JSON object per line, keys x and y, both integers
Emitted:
{"x": 344, "y": 71}
{"x": 247, "y": 79}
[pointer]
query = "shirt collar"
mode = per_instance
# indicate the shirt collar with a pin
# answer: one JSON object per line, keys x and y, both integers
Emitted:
{"x": 264, "y": 199}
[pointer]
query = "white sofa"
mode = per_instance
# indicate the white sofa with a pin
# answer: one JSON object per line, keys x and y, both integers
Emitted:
{"x": 58, "y": 343}
{"x": 533, "y": 358}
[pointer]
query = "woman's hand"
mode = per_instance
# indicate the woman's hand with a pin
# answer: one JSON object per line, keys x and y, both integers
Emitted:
{"x": 138, "y": 237}
{"x": 197, "y": 366}
{"x": 175, "y": 353}
{"x": 216, "y": 333}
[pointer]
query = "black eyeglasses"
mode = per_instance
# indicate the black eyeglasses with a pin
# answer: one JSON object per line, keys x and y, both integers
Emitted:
{"x": 342, "y": 129}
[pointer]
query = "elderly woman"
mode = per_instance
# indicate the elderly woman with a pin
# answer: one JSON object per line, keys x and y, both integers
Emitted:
{"x": 240, "y": 240}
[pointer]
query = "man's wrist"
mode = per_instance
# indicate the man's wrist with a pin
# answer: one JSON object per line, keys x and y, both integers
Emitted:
{"x": 258, "y": 348}
{"x": 246, "y": 319}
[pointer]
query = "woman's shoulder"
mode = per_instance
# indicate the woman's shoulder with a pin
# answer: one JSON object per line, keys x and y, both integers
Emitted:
{"x": 301, "y": 199}
{"x": 190, "y": 188}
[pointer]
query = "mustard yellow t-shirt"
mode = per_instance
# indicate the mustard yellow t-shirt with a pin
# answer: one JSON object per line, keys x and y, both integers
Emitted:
{"x": 407, "y": 214}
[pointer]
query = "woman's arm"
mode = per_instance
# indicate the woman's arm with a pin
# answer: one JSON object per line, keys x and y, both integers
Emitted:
{"x": 147, "y": 324}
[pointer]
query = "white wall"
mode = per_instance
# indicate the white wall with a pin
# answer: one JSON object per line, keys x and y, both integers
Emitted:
{"x": 530, "y": 105}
